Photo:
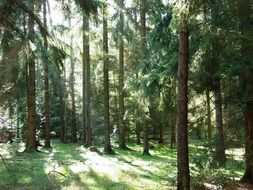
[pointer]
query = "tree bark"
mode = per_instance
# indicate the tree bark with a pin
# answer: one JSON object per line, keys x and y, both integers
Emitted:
{"x": 145, "y": 140}
{"x": 143, "y": 42}
{"x": 122, "y": 130}
{"x": 138, "y": 129}
{"x": 46, "y": 83}
{"x": 245, "y": 12}
{"x": 138, "y": 133}
{"x": 72, "y": 92}
{"x": 62, "y": 108}
{"x": 248, "y": 174}
{"x": 220, "y": 156}
{"x": 173, "y": 134}
{"x": 84, "y": 87}
{"x": 160, "y": 132}
{"x": 86, "y": 54}
{"x": 183, "y": 178}
{"x": 31, "y": 144}
{"x": 18, "y": 127}
{"x": 107, "y": 129}
{"x": 209, "y": 125}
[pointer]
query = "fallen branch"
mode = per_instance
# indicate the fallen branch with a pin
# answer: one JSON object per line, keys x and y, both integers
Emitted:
{"x": 53, "y": 171}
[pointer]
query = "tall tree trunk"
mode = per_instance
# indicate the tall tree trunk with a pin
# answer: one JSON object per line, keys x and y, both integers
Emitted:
{"x": 248, "y": 174}
{"x": 245, "y": 12}
{"x": 183, "y": 178}
{"x": 84, "y": 87}
{"x": 62, "y": 109}
{"x": 65, "y": 99}
{"x": 143, "y": 42}
{"x": 122, "y": 130}
{"x": 138, "y": 129}
{"x": 72, "y": 92}
{"x": 209, "y": 125}
{"x": 145, "y": 139}
{"x": 86, "y": 62}
{"x": 107, "y": 129}
{"x": 173, "y": 129}
{"x": 138, "y": 132}
{"x": 46, "y": 83}
{"x": 220, "y": 156}
{"x": 18, "y": 127}
{"x": 31, "y": 144}
{"x": 160, "y": 132}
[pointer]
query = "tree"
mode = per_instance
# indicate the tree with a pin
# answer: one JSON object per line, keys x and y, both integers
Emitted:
{"x": 63, "y": 117}
{"x": 107, "y": 128}
{"x": 122, "y": 127}
{"x": 220, "y": 156}
{"x": 46, "y": 82}
{"x": 245, "y": 12}
{"x": 72, "y": 91}
{"x": 31, "y": 144}
{"x": 183, "y": 178}
{"x": 86, "y": 82}
{"x": 143, "y": 42}
{"x": 209, "y": 125}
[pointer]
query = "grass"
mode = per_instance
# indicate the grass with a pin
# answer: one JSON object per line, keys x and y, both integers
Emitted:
{"x": 69, "y": 166}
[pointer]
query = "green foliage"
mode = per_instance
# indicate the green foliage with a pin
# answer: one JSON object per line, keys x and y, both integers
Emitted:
{"x": 78, "y": 167}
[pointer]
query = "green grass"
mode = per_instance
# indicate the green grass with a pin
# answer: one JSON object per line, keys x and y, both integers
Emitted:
{"x": 69, "y": 166}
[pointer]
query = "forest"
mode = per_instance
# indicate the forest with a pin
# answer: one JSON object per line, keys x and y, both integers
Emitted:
{"x": 126, "y": 94}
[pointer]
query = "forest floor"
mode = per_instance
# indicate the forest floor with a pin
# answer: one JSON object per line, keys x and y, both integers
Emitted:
{"x": 72, "y": 167}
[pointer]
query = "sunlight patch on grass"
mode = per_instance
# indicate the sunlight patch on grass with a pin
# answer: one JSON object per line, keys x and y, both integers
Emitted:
{"x": 79, "y": 167}
{"x": 100, "y": 164}
{"x": 236, "y": 153}
{"x": 4, "y": 150}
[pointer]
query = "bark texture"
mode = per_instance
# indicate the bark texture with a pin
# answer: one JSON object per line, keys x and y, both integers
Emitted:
{"x": 183, "y": 178}
{"x": 46, "y": 83}
{"x": 72, "y": 93}
{"x": 220, "y": 156}
{"x": 143, "y": 42}
{"x": 86, "y": 53}
{"x": 31, "y": 144}
{"x": 107, "y": 129}
{"x": 245, "y": 12}
{"x": 122, "y": 127}
{"x": 209, "y": 125}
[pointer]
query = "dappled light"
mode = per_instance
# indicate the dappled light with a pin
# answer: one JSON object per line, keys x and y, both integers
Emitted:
{"x": 74, "y": 167}
{"x": 126, "y": 95}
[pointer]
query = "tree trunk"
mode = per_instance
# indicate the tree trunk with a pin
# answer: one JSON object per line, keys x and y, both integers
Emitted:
{"x": 160, "y": 133}
{"x": 107, "y": 129}
{"x": 31, "y": 144}
{"x": 248, "y": 175}
{"x": 173, "y": 134}
{"x": 84, "y": 78}
{"x": 145, "y": 140}
{"x": 220, "y": 156}
{"x": 62, "y": 109}
{"x": 209, "y": 125}
{"x": 18, "y": 127}
{"x": 122, "y": 130}
{"x": 138, "y": 133}
{"x": 143, "y": 42}
{"x": 138, "y": 129}
{"x": 183, "y": 178}
{"x": 72, "y": 93}
{"x": 86, "y": 54}
{"x": 245, "y": 13}
{"x": 46, "y": 83}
